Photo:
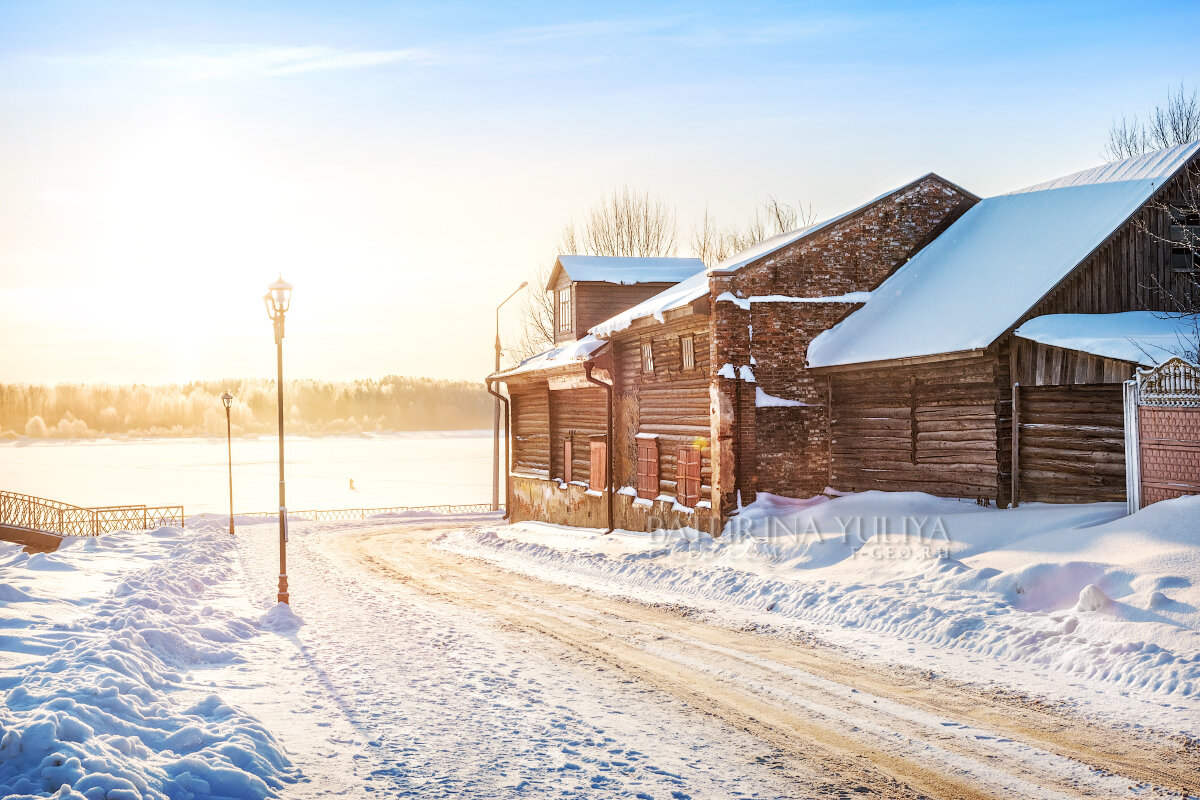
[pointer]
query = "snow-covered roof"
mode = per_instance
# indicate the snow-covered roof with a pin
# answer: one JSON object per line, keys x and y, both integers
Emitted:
{"x": 626, "y": 270}
{"x": 968, "y": 286}
{"x": 1144, "y": 337}
{"x": 571, "y": 353}
{"x": 670, "y": 299}
{"x": 696, "y": 286}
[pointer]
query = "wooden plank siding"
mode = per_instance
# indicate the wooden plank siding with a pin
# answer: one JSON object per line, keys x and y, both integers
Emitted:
{"x": 1072, "y": 444}
{"x": 531, "y": 430}
{"x": 1040, "y": 364}
{"x": 595, "y": 301}
{"x": 672, "y": 402}
{"x": 931, "y": 428}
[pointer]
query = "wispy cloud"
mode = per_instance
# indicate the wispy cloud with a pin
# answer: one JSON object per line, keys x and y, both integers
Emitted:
{"x": 237, "y": 61}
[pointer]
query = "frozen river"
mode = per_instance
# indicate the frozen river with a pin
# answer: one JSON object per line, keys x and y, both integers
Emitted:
{"x": 393, "y": 469}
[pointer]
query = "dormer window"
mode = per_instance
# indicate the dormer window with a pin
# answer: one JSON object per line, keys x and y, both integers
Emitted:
{"x": 1185, "y": 240}
{"x": 565, "y": 319}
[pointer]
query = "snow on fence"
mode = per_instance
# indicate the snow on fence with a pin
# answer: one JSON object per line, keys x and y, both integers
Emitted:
{"x": 350, "y": 514}
{"x": 51, "y": 516}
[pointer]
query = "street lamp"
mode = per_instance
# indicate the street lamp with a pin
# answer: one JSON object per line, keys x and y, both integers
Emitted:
{"x": 227, "y": 399}
{"x": 496, "y": 413}
{"x": 278, "y": 299}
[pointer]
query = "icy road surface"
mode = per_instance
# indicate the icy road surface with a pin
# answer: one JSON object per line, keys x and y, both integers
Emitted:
{"x": 440, "y": 675}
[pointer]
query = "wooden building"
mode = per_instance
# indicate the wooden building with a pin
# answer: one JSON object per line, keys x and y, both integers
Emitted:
{"x": 924, "y": 377}
{"x": 920, "y": 342}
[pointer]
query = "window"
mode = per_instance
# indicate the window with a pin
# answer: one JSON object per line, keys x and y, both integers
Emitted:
{"x": 687, "y": 475}
{"x": 598, "y": 480}
{"x": 647, "y": 357}
{"x": 1185, "y": 240}
{"x": 647, "y": 466}
{"x": 567, "y": 457}
{"x": 687, "y": 350}
{"x": 565, "y": 321}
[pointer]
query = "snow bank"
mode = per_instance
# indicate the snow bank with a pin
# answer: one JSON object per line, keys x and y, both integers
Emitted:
{"x": 1079, "y": 590}
{"x": 108, "y": 709}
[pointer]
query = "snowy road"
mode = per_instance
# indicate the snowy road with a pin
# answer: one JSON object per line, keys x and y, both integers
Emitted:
{"x": 423, "y": 673}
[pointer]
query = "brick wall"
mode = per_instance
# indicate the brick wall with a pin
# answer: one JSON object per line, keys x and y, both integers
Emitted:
{"x": 791, "y": 448}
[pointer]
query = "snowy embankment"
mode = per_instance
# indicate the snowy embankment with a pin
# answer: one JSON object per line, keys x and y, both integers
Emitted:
{"x": 1068, "y": 593}
{"x": 101, "y": 648}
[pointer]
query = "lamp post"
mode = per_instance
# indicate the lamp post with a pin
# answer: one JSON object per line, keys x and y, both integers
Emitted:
{"x": 496, "y": 412}
{"x": 227, "y": 399}
{"x": 278, "y": 299}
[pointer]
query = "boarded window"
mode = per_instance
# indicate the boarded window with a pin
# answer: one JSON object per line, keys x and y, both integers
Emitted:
{"x": 687, "y": 350}
{"x": 598, "y": 480}
{"x": 564, "y": 309}
{"x": 647, "y": 468}
{"x": 1185, "y": 240}
{"x": 567, "y": 454}
{"x": 687, "y": 479}
{"x": 647, "y": 357}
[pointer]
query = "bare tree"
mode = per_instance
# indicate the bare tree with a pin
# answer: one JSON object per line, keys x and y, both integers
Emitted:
{"x": 1173, "y": 224}
{"x": 624, "y": 223}
{"x": 713, "y": 244}
{"x": 1175, "y": 122}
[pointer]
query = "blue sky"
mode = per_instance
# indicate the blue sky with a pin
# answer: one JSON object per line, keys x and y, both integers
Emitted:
{"x": 405, "y": 165}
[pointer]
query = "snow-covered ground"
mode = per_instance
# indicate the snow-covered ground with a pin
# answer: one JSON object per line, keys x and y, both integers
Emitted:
{"x": 157, "y": 665}
{"x": 1078, "y": 602}
{"x": 173, "y": 674}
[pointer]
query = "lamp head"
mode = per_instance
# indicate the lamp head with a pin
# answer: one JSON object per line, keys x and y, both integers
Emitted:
{"x": 523, "y": 285}
{"x": 278, "y": 297}
{"x": 227, "y": 399}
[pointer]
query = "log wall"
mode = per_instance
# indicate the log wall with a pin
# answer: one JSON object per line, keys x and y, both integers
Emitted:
{"x": 1071, "y": 444}
{"x": 929, "y": 428}
{"x": 575, "y": 414}
{"x": 531, "y": 430}
{"x": 672, "y": 402}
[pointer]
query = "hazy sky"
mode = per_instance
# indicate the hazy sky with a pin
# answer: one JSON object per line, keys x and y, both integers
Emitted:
{"x": 406, "y": 166}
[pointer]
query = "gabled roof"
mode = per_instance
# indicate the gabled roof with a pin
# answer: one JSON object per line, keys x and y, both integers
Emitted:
{"x": 1148, "y": 338}
{"x": 779, "y": 241}
{"x": 996, "y": 262}
{"x": 624, "y": 269}
{"x": 696, "y": 286}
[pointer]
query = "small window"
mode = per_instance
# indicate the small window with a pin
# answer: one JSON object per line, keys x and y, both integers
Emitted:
{"x": 568, "y": 455}
{"x": 687, "y": 350}
{"x": 598, "y": 480}
{"x": 1185, "y": 240}
{"x": 647, "y": 467}
{"x": 687, "y": 477}
{"x": 647, "y": 357}
{"x": 564, "y": 309}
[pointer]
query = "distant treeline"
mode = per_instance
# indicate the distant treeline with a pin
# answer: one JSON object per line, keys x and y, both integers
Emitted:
{"x": 69, "y": 411}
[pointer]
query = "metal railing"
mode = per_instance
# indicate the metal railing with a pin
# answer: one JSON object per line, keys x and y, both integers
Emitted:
{"x": 52, "y": 516}
{"x": 351, "y": 514}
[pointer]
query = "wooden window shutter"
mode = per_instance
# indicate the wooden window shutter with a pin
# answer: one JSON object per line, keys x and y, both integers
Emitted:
{"x": 687, "y": 351}
{"x": 647, "y": 469}
{"x": 687, "y": 479}
{"x": 567, "y": 458}
{"x": 598, "y": 480}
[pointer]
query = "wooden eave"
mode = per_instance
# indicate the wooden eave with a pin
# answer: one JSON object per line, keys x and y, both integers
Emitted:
{"x": 908, "y": 361}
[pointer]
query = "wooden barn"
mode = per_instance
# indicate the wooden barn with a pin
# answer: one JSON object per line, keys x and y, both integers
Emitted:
{"x": 947, "y": 364}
